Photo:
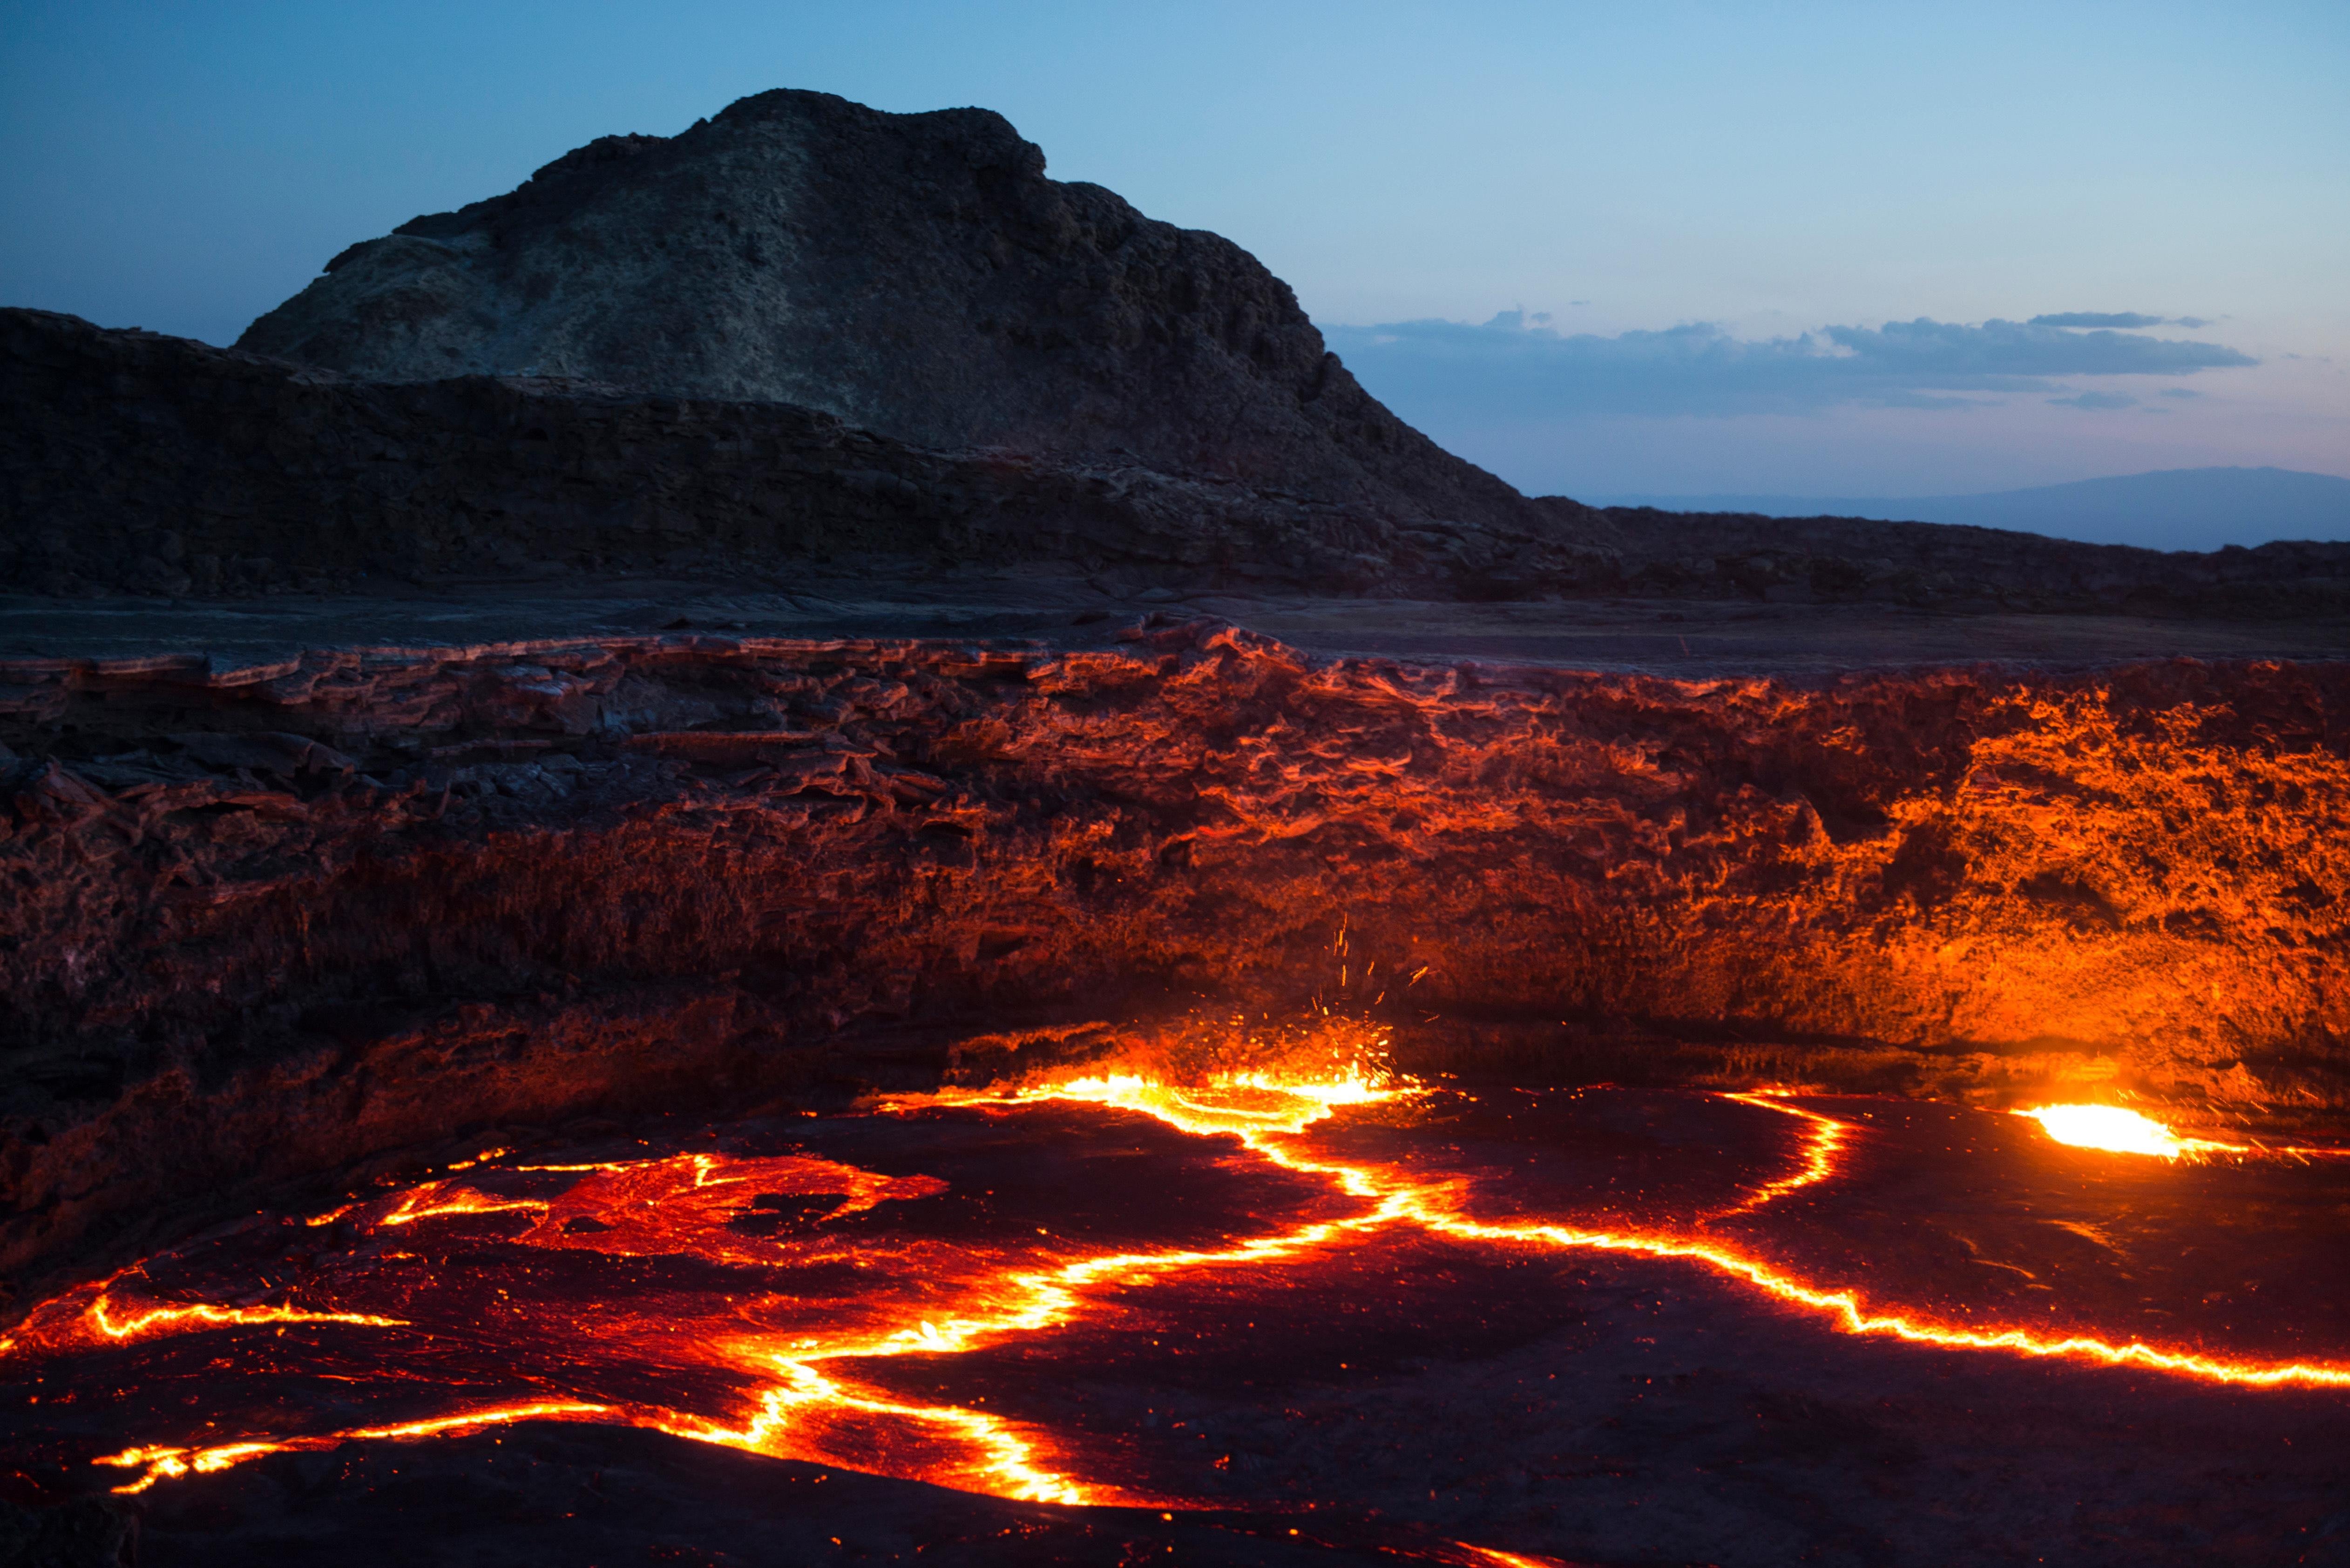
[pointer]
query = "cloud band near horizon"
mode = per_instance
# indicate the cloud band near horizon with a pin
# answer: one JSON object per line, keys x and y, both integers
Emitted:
{"x": 1516, "y": 367}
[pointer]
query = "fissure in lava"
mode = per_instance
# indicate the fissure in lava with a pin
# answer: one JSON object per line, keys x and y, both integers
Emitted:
{"x": 807, "y": 1288}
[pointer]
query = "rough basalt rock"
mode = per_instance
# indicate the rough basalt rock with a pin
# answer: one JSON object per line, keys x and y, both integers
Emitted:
{"x": 916, "y": 275}
{"x": 141, "y": 463}
{"x": 1854, "y": 560}
{"x": 271, "y": 919}
{"x": 155, "y": 464}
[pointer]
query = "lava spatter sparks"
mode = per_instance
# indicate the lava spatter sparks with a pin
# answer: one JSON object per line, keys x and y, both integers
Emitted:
{"x": 813, "y": 1385}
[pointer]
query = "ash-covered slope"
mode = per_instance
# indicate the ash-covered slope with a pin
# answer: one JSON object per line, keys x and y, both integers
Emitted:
{"x": 916, "y": 275}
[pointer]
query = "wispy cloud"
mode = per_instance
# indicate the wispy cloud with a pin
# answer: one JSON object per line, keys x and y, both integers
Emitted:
{"x": 2097, "y": 401}
{"x": 2123, "y": 318}
{"x": 1514, "y": 367}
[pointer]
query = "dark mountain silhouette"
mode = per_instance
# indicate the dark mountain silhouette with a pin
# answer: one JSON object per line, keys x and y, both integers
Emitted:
{"x": 808, "y": 335}
{"x": 916, "y": 275}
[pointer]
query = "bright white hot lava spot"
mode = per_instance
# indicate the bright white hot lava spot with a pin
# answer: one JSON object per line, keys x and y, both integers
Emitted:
{"x": 2111, "y": 1129}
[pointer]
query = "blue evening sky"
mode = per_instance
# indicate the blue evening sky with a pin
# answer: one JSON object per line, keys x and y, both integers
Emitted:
{"x": 1823, "y": 249}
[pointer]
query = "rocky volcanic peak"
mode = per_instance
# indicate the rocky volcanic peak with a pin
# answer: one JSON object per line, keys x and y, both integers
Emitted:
{"x": 810, "y": 334}
{"x": 916, "y": 275}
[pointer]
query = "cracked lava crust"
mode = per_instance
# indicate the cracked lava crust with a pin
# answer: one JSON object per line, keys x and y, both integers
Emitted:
{"x": 1179, "y": 1098}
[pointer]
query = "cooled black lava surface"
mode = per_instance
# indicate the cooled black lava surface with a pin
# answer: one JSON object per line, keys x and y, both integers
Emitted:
{"x": 1396, "y": 1391}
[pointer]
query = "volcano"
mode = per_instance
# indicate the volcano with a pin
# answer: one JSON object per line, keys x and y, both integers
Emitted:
{"x": 703, "y": 937}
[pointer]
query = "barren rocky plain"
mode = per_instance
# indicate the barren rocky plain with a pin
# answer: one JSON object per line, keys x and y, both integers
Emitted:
{"x": 797, "y": 847}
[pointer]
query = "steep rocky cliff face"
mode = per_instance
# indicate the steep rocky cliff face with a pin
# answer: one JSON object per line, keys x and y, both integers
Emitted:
{"x": 269, "y": 919}
{"x": 916, "y": 275}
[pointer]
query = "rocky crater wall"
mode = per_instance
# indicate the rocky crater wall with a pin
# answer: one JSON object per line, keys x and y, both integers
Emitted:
{"x": 265, "y": 920}
{"x": 155, "y": 465}
{"x": 159, "y": 465}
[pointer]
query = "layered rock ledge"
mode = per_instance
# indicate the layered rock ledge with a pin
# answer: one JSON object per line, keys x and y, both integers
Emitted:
{"x": 274, "y": 918}
{"x": 152, "y": 465}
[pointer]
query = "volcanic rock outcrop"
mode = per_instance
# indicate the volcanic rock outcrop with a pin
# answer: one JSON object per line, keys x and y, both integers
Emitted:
{"x": 916, "y": 275}
{"x": 146, "y": 465}
{"x": 159, "y": 465}
{"x": 807, "y": 331}
{"x": 268, "y": 920}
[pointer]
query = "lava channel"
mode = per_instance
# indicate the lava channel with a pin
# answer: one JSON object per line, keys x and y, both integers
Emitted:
{"x": 760, "y": 1299}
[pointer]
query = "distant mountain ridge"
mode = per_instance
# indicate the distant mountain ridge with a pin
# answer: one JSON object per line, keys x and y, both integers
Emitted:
{"x": 2169, "y": 509}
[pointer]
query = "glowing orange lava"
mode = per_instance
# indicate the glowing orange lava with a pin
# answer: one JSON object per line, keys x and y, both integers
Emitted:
{"x": 1434, "y": 1206}
{"x": 1823, "y": 1141}
{"x": 2116, "y": 1131}
{"x": 811, "y": 1407}
{"x": 91, "y": 1316}
{"x": 1500, "y": 1559}
{"x": 163, "y": 1464}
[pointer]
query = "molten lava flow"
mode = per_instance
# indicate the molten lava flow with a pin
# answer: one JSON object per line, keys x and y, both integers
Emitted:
{"x": 202, "y": 1314}
{"x": 807, "y": 1366}
{"x": 1845, "y": 1310}
{"x": 1497, "y": 1558}
{"x": 91, "y": 1316}
{"x": 1822, "y": 1140}
{"x": 1434, "y": 1206}
{"x": 999, "y": 1459}
{"x": 661, "y": 1203}
{"x": 1256, "y": 1108}
{"x": 2118, "y": 1131}
{"x": 163, "y": 1464}
{"x": 649, "y": 1208}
